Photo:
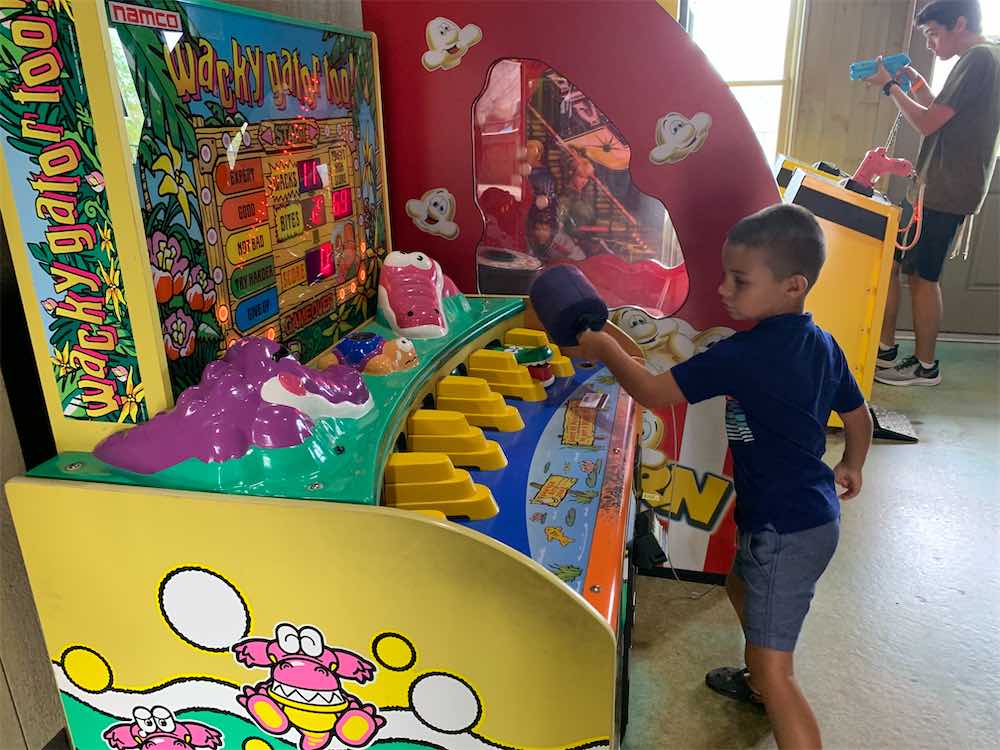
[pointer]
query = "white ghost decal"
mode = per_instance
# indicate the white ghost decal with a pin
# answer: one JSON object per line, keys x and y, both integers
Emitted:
{"x": 677, "y": 137}
{"x": 447, "y": 43}
{"x": 434, "y": 213}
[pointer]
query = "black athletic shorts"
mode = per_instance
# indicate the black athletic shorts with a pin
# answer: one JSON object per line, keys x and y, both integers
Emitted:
{"x": 926, "y": 258}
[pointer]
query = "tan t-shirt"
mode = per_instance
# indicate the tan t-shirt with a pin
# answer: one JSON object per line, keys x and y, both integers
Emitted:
{"x": 956, "y": 161}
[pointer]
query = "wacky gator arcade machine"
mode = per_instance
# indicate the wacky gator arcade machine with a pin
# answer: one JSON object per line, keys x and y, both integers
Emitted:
{"x": 311, "y": 491}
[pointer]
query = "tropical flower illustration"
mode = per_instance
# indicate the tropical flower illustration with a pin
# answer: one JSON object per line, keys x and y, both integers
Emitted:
{"x": 178, "y": 335}
{"x": 96, "y": 180}
{"x": 112, "y": 278}
{"x": 175, "y": 180}
{"x": 170, "y": 268}
{"x": 63, "y": 6}
{"x": 107, "y": 240}
{"x": 61, "y": 362}
{"x": 200, "y": 295}
{"x": 130, "y": 400}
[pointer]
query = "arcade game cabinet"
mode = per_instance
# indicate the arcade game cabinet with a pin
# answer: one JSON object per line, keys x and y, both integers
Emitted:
{"x": 311, "y": 491}
{"x": 618, "y": 123}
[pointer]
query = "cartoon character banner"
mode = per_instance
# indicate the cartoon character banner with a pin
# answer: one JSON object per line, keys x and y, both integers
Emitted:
{"x": 257, "y": 157}
{"x": 293, "y": 687}
{"x": 291, "y": 625}
{"x": 58, "y": 194}
{"x": 685, "y": 465}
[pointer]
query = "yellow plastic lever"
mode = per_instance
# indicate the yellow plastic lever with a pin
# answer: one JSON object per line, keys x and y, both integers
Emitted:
{"x": 429, "y": 481}
{"x": 480, "y": 405}
{"x": 505, "y": 375}
{"x": 449, "y": 432}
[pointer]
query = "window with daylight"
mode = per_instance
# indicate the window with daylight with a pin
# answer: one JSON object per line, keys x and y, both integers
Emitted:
{"x": 752, "y": 47}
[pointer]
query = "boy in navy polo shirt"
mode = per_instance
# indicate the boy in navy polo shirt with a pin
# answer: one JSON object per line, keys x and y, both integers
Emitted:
{"x": 781, "y": 380}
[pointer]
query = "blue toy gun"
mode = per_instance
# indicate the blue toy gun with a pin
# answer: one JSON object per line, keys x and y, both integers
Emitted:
{"x": 893, "y": 63}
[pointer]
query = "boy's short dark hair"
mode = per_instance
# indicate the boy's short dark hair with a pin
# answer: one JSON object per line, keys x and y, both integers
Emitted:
{"x": 947, "y": 13}
{"x": 789, "y": 236}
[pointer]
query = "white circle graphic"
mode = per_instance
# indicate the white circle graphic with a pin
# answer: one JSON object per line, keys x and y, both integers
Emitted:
{"x": 204, "y": 609}
{"x": 445, "y": 703}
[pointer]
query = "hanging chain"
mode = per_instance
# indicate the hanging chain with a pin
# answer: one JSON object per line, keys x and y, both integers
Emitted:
{"x": 891, "y": 140}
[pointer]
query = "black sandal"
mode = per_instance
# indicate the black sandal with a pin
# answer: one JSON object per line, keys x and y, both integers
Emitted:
{"x": 733, "y": 682}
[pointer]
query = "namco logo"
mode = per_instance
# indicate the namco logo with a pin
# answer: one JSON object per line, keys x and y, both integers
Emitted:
{"x": 136, "y": 15}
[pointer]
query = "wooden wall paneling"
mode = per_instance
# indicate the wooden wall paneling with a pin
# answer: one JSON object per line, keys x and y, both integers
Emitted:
{"x": 813, "y": 79}
{"x": 838, "y": 119}
{"x": 840, "y": 91}
{"x": 24, "y": 658}
{"x": 863, "y": 132}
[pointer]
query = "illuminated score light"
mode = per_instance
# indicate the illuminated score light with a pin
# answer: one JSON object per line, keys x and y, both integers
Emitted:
{"x": 320, "y": 263}
{"x": 342, "y": 204}
{"x": 325, "y": 259}
{"x": 314, "y": 210}
{"x": 309, "y": 176}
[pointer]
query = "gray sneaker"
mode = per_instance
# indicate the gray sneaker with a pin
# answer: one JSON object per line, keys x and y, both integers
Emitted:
{"x": 887, "y": 357}
{"x": 910, "y": 372}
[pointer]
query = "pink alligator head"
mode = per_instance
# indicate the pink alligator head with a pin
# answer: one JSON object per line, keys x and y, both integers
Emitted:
{"x": 157, "y": 729}
{"x": 410, "y": 292}
{"x": 303, "y": 667}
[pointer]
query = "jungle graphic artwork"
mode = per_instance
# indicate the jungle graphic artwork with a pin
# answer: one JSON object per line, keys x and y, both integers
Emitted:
{"x": 57, "y": 188}
{"x": 258, "y": 164}
{"x": 258, "y": 173}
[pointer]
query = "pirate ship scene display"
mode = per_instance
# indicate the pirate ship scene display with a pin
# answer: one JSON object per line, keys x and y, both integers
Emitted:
{"x": 554, "y": 186}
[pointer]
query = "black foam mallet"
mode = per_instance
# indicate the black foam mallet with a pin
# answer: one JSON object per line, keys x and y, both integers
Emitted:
{"x": 567, "y": 304}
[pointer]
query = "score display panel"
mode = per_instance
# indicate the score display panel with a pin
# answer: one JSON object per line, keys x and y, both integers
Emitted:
{"x": 280, "y": 209}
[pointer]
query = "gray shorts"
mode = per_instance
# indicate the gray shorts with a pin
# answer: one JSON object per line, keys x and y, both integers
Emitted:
{"x": 780, "y": 573}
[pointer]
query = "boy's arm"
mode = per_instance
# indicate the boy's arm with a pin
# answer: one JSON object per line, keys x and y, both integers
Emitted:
{"x": 858, "y": 429}
{"x": 926, "y": 119}
{"x": 920, "y": 91}
{"x": 650, "y": 390}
